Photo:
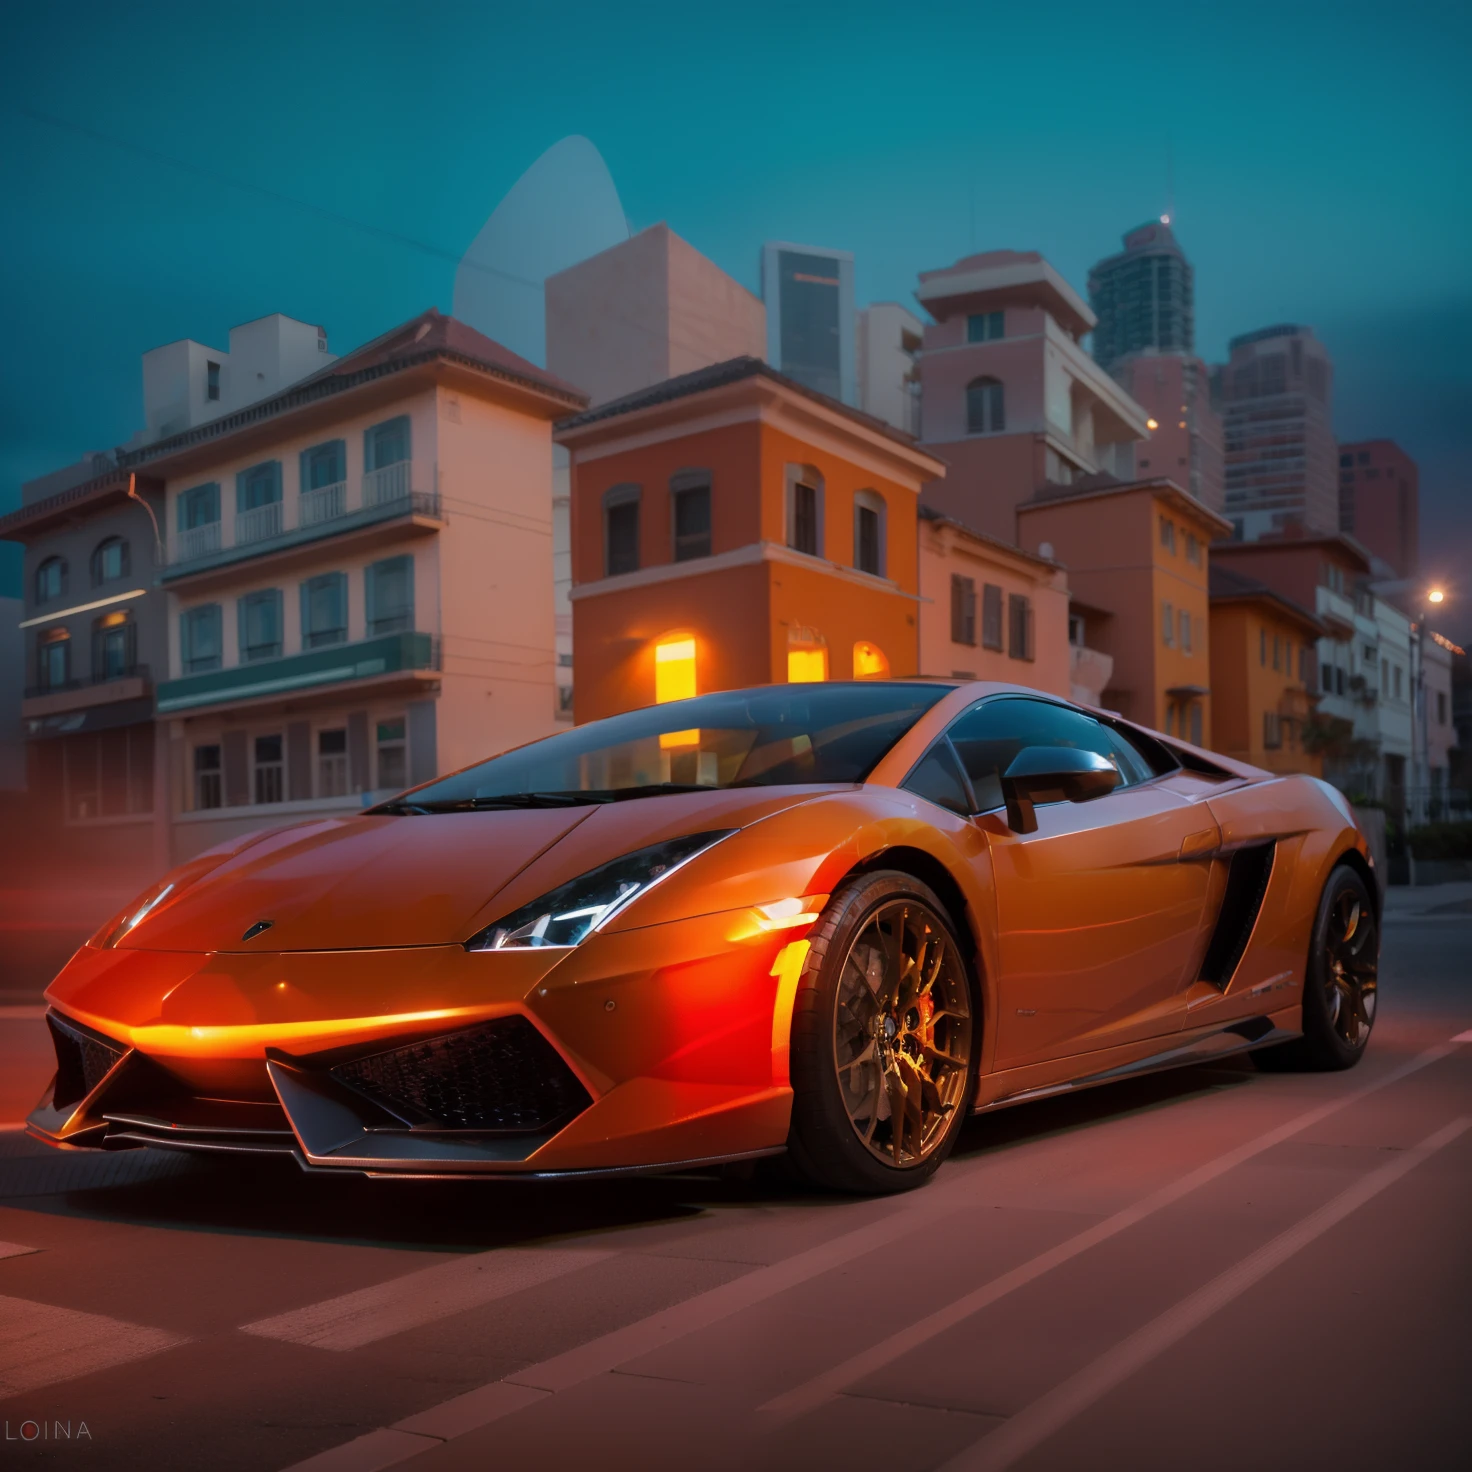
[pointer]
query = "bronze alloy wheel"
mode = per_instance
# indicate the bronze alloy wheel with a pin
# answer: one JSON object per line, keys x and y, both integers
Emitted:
{"x": 902, "y": 1032}
{"x": 1351, "y": 967}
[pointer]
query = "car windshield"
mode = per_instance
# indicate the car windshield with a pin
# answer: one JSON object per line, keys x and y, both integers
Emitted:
{"x": 745, "y": 738}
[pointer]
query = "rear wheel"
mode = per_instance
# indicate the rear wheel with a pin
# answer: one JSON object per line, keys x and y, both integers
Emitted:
{"x": 1340, "y": 988}
{"x": 885, "y": 1033}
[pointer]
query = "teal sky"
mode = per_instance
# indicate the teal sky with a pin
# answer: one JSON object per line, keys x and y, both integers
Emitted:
{"x": 1320, "y": 155}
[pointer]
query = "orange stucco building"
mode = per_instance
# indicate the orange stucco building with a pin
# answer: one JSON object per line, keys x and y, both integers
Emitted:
{"x": 1136, "y": 554}
{"x": 1263, "y": 673}
{"x": 732, "y": 528}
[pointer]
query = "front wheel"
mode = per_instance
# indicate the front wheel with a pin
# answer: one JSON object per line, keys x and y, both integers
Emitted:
{"x": 1340, "y": 987}
{"x": 885, "y": 1033}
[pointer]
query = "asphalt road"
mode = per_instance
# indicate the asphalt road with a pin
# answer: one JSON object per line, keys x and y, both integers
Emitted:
{"x": 1214, "y": 1268}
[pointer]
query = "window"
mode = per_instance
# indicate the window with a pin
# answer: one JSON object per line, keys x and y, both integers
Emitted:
{"x": 986, "y": 411}
{"x": 1019, "y": 626}
{"x": 1326, "y": 678}
{"x": 393, "y": 764}
{"x": 1385, "y": 676}
{"x": 53, "y": 659}
{"x": 110, "y": 561}
{"x": 807, "y": 657}
{"x": 870, "y": 662}
{"x": 988, "y": 737}
{"x": 1195, "y": 723}
{"x": 324, "y": 465}
{"x": 259, "y": 486}
{"x": 869, "y": 532}
{"x": 269, "y": 776}
{"x": 985, "y": 326}
{"x": 208, "y": 778}
{"x": 690, "y": 514}
{"x": 1193, "y": 548}
{"x": 621, "y": 530}
{"x": 1441, "y": 707}
{"x": 258, "y": 616}
{"x": 212, "y": 391}
{"x": 199, "y": 506}
{"x": 674, "y": 670}
{"x": 388, "y": 590}
{"x": 332, "y": 763}
{"x": 324, "y": 610}
{"x": 50, "y": 579}
{"x": 1338, "y": 680}
{"x": 1168, "y": 534}
{"x": 1397, "y": 682}
{"x": 1262, "y": 648}
{"x": 1272, "y": 730}
{"x": 991, "y": 616}
{"x": 805, "y": 511}
{"x": 200, "y": 639}
{"x": 386, "y": 444}
{"x": 1346, "y": 459}
{"x": 114, "y": 646}
{"x": 1184, "y": 622}
{"x": 1277, "y": 654}
{"x": 963, "y": 609}
{"x": 1168, "y": 624}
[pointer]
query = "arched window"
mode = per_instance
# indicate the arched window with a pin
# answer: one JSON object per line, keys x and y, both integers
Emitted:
{"x": 807, "y": 656}
{"x": 50, "y": 579}
{"x": 805, "y": 509}
{"x": 110, "y": 561}
{"x": 114, "y": 646}
{"x": 985, "y": 407}
{"x": 53, "y": 660}
{"x": 869, "y": 531}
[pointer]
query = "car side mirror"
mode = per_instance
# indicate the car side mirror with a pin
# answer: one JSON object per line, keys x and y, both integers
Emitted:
{"x": 1053, "y": 774}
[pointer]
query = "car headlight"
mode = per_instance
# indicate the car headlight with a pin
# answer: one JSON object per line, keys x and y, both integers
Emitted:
{"x": 567, "y": 915}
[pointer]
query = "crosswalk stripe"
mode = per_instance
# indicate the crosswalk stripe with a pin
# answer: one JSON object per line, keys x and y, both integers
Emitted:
{"x": 370, "y": 1314}
{"x": 41, "y": 1344}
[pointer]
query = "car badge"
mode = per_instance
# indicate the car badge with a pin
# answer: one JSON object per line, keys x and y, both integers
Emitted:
{"x": 257, "y": 928}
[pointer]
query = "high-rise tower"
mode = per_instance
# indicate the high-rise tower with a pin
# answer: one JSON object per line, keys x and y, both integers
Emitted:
{"x": 809, "y": 294}
{"x": 1143, "y": 297}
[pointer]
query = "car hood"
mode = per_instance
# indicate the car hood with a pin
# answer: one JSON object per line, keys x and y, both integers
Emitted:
{"x": 375, "y": 881}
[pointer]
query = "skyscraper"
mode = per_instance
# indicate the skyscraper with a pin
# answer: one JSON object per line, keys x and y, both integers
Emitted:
{"x": 1143, "y": 297}
{"x": 1276, "y": 398}
{"x": 1379, "y": 502}
{"x": 809, "y": 293}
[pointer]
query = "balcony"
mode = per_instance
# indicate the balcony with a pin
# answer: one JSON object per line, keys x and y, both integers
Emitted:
{"x": 1336, "y": 610}
{"x": 386, "y": 507}
{"x": 132, "y": 682}
{"x": 407, "y": 659}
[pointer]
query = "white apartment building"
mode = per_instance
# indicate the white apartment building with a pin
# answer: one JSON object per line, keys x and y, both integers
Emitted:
{"x": 889, "y": 341}
{"x": 360, "y": 581}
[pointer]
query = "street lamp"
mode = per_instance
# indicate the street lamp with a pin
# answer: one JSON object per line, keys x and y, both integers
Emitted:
{"x": 1420, "y": 716}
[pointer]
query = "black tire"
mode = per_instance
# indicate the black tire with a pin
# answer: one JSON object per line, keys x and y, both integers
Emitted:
{"x": 863, "y": 994}
{"x": 1340, "y": 984}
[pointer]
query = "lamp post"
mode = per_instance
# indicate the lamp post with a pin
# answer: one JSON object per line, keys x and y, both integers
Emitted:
{"x": 1420, "y": 722}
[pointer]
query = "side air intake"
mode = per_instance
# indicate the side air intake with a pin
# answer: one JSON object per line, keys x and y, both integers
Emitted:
{"x": 1247, "y": 884}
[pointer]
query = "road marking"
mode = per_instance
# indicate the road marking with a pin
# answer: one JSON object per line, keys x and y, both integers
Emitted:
{"x": 14, "y": 1249}
{"x": 1033, "y": 1425}
{"x": 370, "y": 1314}
{"x": 821, "y": 1388}
{"x": 41, "y": 1344}
{"x": 1463, "y": 1037}
{"x": 499, "y": 1398}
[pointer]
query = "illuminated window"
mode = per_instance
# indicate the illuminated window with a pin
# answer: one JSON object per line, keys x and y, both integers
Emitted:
{"x": 806, "y": 666}
{"x": 869, "y": 662}
{"x": 674, "y": 670}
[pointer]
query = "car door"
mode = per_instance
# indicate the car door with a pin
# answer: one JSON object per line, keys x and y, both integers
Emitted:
{"x": 1099, "y": 912}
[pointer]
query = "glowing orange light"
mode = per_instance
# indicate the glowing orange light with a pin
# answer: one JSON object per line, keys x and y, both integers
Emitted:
{"x": 1152, "y": 424}
{"x": 869, "y": 661}
{"x": 1436, "y": 596}
{"x": 674, "y": 670}
{"x": 806, "y": 666}
{"x": 787, "y": 968}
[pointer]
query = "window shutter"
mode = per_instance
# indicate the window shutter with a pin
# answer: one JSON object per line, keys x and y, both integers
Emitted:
{"x": 304, "y": 472}
{"x": 242, "y": 624}
{"x": 957, "y": 594}
{"x": 306, "y": 596}
{"x": 370, "y": 596}
{"x": 240, "y": 477}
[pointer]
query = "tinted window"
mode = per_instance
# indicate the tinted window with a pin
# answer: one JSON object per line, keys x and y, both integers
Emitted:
{"x": 938, "y": 777}
{"x": 746, "y": 738}
{"x": 987, "y": 738}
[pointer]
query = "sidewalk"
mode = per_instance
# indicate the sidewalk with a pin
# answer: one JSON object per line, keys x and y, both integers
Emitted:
{"x": 1404, "y": 902}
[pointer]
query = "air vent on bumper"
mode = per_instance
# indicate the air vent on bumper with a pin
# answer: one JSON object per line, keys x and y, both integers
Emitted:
{"x": 502, "y": 1076}
{"x": 83, "y": 1059}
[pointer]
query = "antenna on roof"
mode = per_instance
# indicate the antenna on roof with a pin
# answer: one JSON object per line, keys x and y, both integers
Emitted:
{"x": 1170, "y": 183}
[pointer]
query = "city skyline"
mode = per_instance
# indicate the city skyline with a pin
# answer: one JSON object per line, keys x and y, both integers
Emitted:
{"x": 1269, "y": 238}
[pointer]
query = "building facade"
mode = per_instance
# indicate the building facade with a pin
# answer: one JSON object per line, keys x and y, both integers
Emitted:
{"x": 1262, "y": 675}
{"x": 809, "y": 296}
{"x": 889, "y": 343}
{"x": 1143, "y": 298}
{"x": 1379, "y": 504}
{"x": 733, "y": 528}
{"x": 1185, "y": 431}
{"x": 1275, "y": 395}
{"x": 1136, "y": 555}
{"x": 1011, "y": 401}
{"x": 329, "y": 637}
{"x": 990, "y": 611}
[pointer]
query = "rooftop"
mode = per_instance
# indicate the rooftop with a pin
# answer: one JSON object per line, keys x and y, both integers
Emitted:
{"x": 1294, "y": 539}
{"x": 1226, "y": 586}
{"x": 1020, "y": 277}
{"x": 1103, "y": 484}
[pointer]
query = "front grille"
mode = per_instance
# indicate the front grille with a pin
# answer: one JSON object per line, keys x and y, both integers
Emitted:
{"x": 503, "y": 1075}
{"x": 83, "y": 1060}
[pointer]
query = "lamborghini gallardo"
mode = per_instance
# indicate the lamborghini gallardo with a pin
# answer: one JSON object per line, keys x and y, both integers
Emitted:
{"x": 830, "y": 920}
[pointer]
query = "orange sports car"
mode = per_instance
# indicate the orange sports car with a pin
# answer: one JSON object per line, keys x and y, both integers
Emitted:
{"x": 826, "y": 919}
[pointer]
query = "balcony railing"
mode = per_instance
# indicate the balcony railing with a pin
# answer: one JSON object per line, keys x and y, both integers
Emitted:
{"x": 389, "y": 484}
{"x": 259, "y": 523}
{"x": 326, "y": 503}
{"x": 87, "y": 682}
{"x": 323, "y": 511}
